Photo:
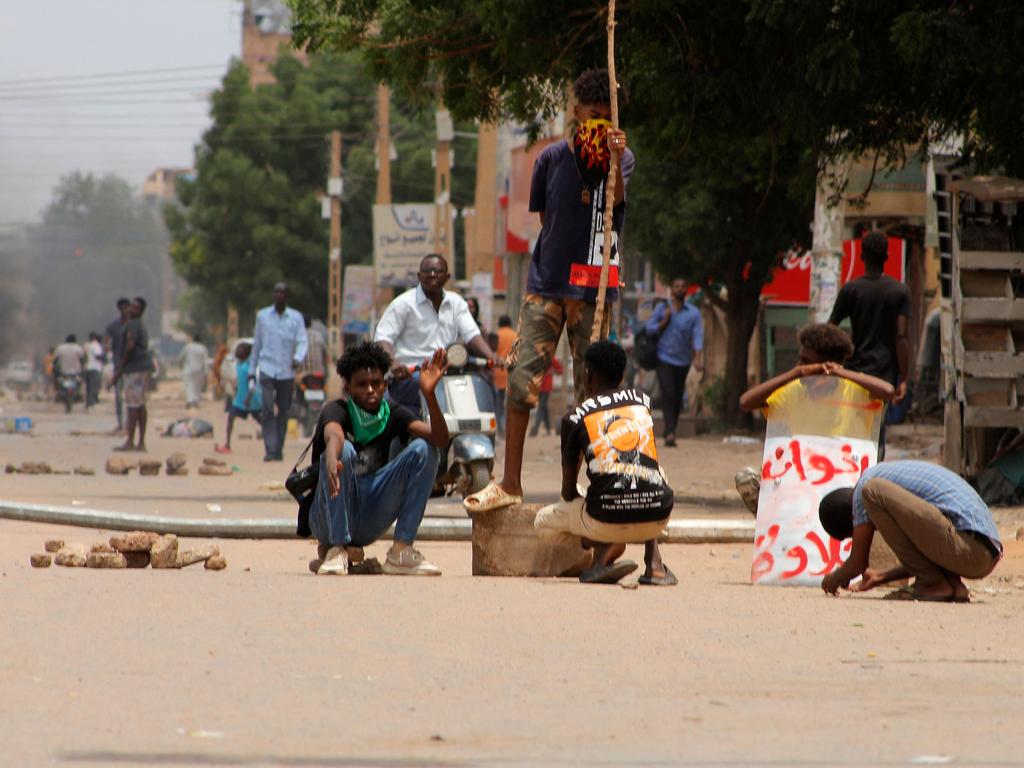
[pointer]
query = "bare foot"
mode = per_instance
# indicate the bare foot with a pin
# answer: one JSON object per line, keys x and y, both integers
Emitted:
{"x": 938, "y": 590}
{"x": 126, "y": 448}
{"x": 961, "y": 594}
{"x": 606, "y": 554}
{"x": 510, "y": 489}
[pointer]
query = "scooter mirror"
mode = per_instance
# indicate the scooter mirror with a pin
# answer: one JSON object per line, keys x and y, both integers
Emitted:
{"x": 457, "y": 355}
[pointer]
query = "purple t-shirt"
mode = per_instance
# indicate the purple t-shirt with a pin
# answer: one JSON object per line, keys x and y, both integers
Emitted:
{"x": 567, "y": 260}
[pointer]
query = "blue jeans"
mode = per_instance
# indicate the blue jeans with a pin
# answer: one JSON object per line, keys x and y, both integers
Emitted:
{"x": 366, "y": 505}
{"x": 275, "y": 426}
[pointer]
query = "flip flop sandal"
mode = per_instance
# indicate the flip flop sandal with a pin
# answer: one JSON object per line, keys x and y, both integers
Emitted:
{"x": 668, "y": 579}
{"x": 490, "y": 498}
{"x": 608, "y": 574}
{"x": 906, "y": 593}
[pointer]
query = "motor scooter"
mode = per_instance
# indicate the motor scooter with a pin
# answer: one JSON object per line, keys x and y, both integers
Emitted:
{"x": 467, "y": 401}
{"x": 69, "y": 387}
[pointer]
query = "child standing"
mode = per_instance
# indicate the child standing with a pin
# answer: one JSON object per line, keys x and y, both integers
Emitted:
{"x": 546, "y": 385}
{"x": 248, "y": 400}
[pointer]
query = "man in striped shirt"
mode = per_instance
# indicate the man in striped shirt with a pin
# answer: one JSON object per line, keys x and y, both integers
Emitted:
{"x": 935, "y": 523}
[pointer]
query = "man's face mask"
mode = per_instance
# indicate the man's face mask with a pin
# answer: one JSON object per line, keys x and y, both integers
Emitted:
{"x": 590, "y": 146}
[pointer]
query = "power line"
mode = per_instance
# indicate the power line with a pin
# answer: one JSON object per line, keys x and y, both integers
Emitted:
{"x": 122, "y": 73}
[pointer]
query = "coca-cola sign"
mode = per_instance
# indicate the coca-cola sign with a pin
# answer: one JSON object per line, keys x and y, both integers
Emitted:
{"x": 791, "y": 283}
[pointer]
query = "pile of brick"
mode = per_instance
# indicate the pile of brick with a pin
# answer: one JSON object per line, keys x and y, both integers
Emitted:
{"x": 137, "y": 549}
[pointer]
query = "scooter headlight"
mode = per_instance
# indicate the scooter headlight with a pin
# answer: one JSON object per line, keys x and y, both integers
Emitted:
{"x": 457, "y": 355}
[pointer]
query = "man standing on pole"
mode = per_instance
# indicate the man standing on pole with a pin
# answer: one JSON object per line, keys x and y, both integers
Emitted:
{"x": 278, "y": 349}
{"x": 567, "y": 191}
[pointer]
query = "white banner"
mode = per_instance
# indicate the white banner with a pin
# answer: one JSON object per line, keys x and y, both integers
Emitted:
{"x": 402, "y": 236}
{"x": 790, "y": 546}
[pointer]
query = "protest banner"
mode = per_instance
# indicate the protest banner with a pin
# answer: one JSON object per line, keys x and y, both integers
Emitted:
{"x": 822, "y": 434}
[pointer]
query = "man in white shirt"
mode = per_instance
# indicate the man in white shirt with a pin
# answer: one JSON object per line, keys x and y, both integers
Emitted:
{"x": 94, "y": 359}
{"x": 423, "y": 320}
{"x": 69, "y": 357}
{"x": 278, "y": 349}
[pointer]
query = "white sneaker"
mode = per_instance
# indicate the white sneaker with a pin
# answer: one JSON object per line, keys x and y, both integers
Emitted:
{"x": 335, "y": 563}
{"x": 409, "y": 562}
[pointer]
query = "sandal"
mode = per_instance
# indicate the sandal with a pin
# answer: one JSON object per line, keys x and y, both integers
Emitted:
{"x": 608, "y": 574}
{"x": 490, "y": 498}
{"x": 906, "y": 593}
{"x": 667, "y": 579}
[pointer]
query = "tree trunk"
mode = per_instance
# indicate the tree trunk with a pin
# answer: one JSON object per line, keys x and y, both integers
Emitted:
{"x": 741, "y": 317}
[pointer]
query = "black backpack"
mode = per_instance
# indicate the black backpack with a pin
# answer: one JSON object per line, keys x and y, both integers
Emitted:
{"x": 645, "y": 349}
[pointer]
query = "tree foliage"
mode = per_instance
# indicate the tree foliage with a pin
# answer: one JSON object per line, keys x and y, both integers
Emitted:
{"x": 97, "y": 241}
{"x": 251, "y": 216}
{"x": 735, "y": 105}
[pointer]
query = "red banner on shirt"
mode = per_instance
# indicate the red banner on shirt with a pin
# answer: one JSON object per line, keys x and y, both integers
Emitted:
{"x": 589, "y": 276}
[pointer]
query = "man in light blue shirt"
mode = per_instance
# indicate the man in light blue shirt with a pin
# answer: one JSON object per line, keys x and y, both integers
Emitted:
{"x": 680, "y": 331}
{"x": 936, "y": 524}
{"x": 278, "y": 348}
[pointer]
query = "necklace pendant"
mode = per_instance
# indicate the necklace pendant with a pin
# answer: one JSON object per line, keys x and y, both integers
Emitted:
{"x": 585, "y": 196}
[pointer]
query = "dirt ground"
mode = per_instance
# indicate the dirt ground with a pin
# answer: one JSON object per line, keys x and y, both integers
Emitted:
{"x": 264, "y": 664}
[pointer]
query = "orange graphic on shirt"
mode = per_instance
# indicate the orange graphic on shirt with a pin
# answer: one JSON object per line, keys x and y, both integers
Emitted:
{"x": 621, "y": 435}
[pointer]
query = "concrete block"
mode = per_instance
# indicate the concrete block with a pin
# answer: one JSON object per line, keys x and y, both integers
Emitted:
{"x": 106, "y": 560}
{"x": 40, "y": 561}
{"x": 197, "y": 555}
{"x": 134, "y": 541}
{"x": 216, "y": 563}
{"x": 505, "y": 543}
{"x": 164, "y": 553}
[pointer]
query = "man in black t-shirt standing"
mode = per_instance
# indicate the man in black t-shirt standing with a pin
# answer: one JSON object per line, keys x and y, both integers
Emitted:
{"x": 629, "y": 499}
{"x": 361, "y": 492}
{"x": 134, "y": 368}
{"x": 879, "y": 311}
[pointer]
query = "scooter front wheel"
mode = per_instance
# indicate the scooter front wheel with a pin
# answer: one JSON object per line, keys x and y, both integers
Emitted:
{"x": 479, "y": 475}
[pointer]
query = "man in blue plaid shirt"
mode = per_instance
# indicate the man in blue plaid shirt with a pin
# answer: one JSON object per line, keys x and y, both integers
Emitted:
{"x": 936, "y": 524}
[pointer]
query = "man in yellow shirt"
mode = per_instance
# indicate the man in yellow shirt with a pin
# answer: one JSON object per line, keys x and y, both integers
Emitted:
{"x": 845, "y": 403}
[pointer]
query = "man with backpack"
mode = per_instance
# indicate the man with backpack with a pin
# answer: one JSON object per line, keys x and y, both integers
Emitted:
{"x": 680, "y": 332}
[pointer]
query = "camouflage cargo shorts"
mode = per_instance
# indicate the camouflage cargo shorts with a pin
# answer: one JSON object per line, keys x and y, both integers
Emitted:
{"x": 540, "y": 326}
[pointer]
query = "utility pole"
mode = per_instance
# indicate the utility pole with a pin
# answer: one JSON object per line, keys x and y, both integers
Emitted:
{"x": 827, "y": 243}
{"x": 383, "y": 145}
{"x": 442, "y": 188}
{"x": 334, "y": 187}
{"x": 482, "y": 243}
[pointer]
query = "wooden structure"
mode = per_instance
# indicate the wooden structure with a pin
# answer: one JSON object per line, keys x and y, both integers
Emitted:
{"x": 983, "y": 320}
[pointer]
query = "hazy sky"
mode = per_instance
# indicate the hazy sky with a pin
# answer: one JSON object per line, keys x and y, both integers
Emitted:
{"x": 114, "y": 86}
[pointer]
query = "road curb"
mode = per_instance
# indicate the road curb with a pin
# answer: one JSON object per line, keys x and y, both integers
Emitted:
{"x": 690, "y": 531}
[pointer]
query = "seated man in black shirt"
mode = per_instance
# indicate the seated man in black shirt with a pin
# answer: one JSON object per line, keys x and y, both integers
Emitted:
{"x": 629, "y": 499}
{"x": 360, "y": 493}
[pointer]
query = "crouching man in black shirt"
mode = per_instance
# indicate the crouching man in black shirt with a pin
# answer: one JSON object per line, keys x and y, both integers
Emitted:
{"x": 360, "y": 492}
{"x": 629, "y": 500}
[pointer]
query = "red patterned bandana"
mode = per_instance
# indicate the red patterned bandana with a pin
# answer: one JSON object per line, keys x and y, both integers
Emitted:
{"x": 590, "y": 146}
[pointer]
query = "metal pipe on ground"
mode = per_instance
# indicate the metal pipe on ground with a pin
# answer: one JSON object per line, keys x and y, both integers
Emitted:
{"x": 690, "y": 531}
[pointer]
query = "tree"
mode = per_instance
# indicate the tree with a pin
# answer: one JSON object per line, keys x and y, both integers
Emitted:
{"x": 97, "y": 241}
{"x": 252, "y": 216}
{"x": 736, "y": 105}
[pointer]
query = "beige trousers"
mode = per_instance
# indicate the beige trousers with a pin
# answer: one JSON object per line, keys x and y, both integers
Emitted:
{"x": 924, "y": 539}
{"x": 571, "y": 518}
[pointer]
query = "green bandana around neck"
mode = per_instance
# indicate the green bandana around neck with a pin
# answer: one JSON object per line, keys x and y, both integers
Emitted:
{"x": 367, "y": 426}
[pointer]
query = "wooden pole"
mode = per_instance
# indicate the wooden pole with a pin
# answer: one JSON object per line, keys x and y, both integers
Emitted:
{"x": 609, "y": 195}
{"x": 383, "y": 145}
